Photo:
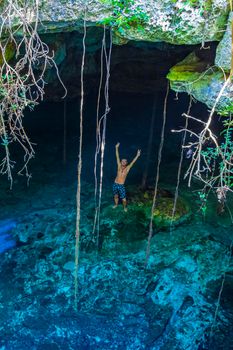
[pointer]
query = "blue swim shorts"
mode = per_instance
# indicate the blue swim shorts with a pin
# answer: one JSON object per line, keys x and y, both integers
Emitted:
{"x": 119, "y": 190}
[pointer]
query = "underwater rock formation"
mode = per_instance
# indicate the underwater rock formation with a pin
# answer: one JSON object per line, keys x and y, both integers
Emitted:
{"x": 6, "y": 240}
{"x": 134, "y": 225}
{"x": 121, "y": 304}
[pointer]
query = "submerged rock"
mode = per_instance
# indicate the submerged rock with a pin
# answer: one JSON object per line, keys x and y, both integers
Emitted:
{"x": 133, "y": 225}
{"x": 122, "y": 304}
{"x": 6, "y": 240}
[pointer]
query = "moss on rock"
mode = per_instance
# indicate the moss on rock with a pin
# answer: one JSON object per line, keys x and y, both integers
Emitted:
{"x": 223, "y": 53}
{"x": 9, "y": 53}
{"x": 134, "y": 224}
{"x": 172, "y": 21}
{"x": 202, "y": 82}
{"x": 177, "y": 22}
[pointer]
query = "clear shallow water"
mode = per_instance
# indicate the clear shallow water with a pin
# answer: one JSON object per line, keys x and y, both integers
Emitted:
{"x": 122, "y": 305}
{"x": 6, "y": 239}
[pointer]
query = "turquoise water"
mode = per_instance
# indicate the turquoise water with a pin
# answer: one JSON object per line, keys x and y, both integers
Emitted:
{"x": 122, "y": 304}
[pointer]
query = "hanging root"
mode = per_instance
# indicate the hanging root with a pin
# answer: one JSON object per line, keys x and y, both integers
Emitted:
{"x": 157, "y": 174}
{"x": 98, "y": 135}
{"x": 101, "y": 136}
{"x": 200, "y": 165}
{"x": 64, "y": 131}
{"x": 78, "y": 195}
{"x": 21, "y": 85}
{"x": 226, "y": 171}
{"x": 149, "y": 144}
{"x": 206, "y": 160}
{"x": 180, "y": 166}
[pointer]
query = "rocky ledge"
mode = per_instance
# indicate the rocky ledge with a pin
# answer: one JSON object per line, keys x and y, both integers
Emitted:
{"x": 171, "y": 21}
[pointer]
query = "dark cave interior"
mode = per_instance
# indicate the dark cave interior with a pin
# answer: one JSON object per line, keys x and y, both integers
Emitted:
{"x": 137, "y": 86}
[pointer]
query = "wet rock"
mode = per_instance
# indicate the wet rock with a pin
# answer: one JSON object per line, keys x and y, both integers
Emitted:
{"x": 133, "y": 226}
{"x": 195, "y": 77}
{"x": 223, "y": 53}
{"x": 69, "y": 266}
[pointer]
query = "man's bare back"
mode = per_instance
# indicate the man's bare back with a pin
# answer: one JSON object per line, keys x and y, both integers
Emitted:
{"x": 123, "y": 169}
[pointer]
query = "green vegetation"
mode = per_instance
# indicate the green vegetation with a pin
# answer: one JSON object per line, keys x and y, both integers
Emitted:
{"x": 202, "y": 199}
{"x": 125, "y": 15}
{"x": 8, "y": 54}
{"x": 217, "y": 159}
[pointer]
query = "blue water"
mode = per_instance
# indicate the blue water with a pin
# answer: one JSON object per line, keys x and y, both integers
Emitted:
{"x": 169, "y": 305}
{"x": 6, "y": 239}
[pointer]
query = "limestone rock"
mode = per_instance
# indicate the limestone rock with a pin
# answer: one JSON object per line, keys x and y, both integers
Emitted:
{"x": 204, "y": 83}
{"x": 223, "y": 53}
{"x": 133, "y": 225}
{"x": 178, "y": 22}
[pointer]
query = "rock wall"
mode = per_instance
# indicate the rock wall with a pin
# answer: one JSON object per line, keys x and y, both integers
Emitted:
{"x": 172, "y": 21}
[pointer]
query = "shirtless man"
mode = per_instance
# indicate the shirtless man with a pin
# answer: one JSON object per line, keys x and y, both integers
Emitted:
{"x": 122, "y": 171}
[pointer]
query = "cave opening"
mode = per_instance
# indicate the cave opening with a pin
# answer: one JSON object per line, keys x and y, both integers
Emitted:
{"x": 137, "y": 87}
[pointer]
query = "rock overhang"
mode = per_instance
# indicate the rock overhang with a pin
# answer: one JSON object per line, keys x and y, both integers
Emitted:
{"x": 170, "y": 21}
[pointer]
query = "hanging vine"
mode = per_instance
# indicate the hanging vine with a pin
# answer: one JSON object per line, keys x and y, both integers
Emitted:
{"x": 180, "y": 166}
{"x": 101, "y": 133}
{"x": 78, "y": 194}
{"x": 22, "y": 51}
{"x": 157, "y": 174}
{"x": 98, "y": 141}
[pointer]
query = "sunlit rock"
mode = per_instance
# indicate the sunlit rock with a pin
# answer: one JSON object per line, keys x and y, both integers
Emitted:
{"x": 223, "y": 54}
{"x": 203, "y": 82}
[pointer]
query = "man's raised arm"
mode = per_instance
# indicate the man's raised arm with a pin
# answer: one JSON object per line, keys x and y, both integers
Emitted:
{"x": 117, "y": 154}
{"x": 135, "y": 159}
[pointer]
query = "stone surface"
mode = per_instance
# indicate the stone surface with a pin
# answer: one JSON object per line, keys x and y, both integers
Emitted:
{"x": 136, "y": 68}
{"x": 224, "y": 53}
{"x": 178, "y": 22}
{"x": 118, "y": 226}
{"x": 122, "y": 304}
{"x": 204, "y": 83}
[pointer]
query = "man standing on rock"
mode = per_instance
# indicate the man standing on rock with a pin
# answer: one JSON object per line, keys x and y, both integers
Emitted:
{"x": 123, "y": 169}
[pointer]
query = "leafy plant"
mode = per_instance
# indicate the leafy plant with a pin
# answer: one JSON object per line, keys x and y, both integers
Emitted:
{"x": 203, "y": 201}
{"x": 125, "y": 15}
{"x": 219, "y": 160}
